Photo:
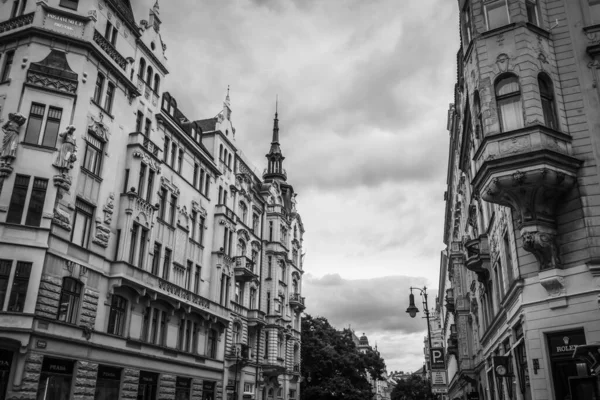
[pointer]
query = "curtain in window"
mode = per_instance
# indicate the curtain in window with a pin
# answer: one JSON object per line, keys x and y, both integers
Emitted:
{"x": 508, "y": 99}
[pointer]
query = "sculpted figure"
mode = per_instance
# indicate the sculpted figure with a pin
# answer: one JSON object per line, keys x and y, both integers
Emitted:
{"x": 11, "y": 135}
{"x": 66, "y": 155}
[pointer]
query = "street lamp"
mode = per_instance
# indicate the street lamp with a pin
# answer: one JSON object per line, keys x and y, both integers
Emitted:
{"x": 412, "y": 310}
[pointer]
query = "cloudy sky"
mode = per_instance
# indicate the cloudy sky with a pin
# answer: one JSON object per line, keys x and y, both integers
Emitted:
{"x": 364, "y": 88}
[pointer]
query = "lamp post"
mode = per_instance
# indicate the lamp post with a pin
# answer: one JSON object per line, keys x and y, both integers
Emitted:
{"x": 412, "y": 310}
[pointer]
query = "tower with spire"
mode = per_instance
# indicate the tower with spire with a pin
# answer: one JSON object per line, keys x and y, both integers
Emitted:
{"x": 275, "y": 157}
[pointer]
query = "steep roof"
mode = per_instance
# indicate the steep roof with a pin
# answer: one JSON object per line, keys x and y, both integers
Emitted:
{"x": 123, "y": 8}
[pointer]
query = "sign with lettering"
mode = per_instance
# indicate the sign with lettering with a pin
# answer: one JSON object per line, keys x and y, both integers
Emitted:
{"x": 438, "y": 360}
{"x": 148, "y": 378}
{"x": 6, "y": 358}
{"x": 183, "y": 294}
{"x": 182, "y": 382}
{"x": 439, "y": 390}
{"x": 208, "y": 385}
{"x": 438, "y": 377}
{"x": 64, "y": 24}
{"x": 563, "y": 343}
{"x": 109, "y": 373}
{"x": 58, "y": 366}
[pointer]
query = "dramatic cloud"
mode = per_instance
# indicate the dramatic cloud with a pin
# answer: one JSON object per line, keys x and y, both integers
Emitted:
{"x": 364, "y": 88}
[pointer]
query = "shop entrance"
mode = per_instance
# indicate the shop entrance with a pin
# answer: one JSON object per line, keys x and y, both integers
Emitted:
{"x": 6, "y": 358}
{"x": 563, "y": 366}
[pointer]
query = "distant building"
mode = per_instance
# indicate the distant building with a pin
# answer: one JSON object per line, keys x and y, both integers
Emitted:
{"x": 380, "y": 387}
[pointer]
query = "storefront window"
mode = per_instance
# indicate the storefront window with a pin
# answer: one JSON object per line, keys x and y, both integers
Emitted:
{"x": 108, "y": 383}
{"x": 55, "y": 380}
{"x": 148, "y": 386}
{"x": 6, "y": 358}
{"x": 561, "y": 346}
{"x": 183, "y": 387}
{"x": 208, "y": 390}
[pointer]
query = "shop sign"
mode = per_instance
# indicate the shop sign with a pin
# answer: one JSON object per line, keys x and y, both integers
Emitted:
{"x": 149, "y": 378}
{"x": 438, "y": 377}
{"x": 438, "y": 358}
{"x": 57, "y": 366}
{"x": 473, "y": 396}
{"x": 109, "y": 373}
{"x": 64, "y": 24}
{"x": 182, "y": 382}
{"x": 208, "y": 385}
{"x": 230, "y": 388}
{"x": 6, "y": 358}
{"x": 565, "y": 342}
{"x": 439, "y": 390}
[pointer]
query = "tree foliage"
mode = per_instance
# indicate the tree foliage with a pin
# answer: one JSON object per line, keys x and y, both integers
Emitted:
{"x": 413, "y": 388}
{"x": 332, "y": 367}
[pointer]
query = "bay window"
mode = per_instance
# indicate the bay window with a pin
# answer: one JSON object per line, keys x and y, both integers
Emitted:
{"x": 508, "y": 100}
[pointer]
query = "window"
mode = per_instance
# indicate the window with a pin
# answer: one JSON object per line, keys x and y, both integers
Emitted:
{"x": 110, "y": 94}
{"x": 508, "y": 100}
{"x": 147, "y": 127}
{"x": 179, "y": 275}
{"x": 241, "y": 248}
{"x": 19, "y": 197}
{"x": 99, "y": 88}
{"x": 180, "y": 161}
{"x": 173, "y": 155}
{"x": 235, "y": 336}
{"x": 69, "y": 300}
{"x": 108, "y": 382}
{"x": 156, "y": 83}
{"x": 197, "y": 278}
{"x": 252, "y": 298}
{"x": 34, "y": 125}
{"x": 82, "y": 223}
{"x": 55, "y": 379}
{"x": 207, "y": 186}
{"x": 221, "y": 152}
{"x": 8, "y": 62}
{"x": 211, "y": 344}
{"x": 163, "y": 204}
{"x": 220, "y": 195}
{"x": 18, "y": 292}
{"x": 138, "y": 121}
{"x": 292, "y": 394}
{"x": 496, "y": 14}
{"x": 149, "y": 75}
{"x": 142, "y": 180}
{"x": 184, "y": 338}
{"x": 282, "y": 269}
{"x": 148, "y": 386}
{"x": 244, "y": 211}
{"x": 268, "y": 302}
{"x": 594, "y": 11}
{"x": 201, "y": 185}
{"x": 194, "y": 219}
{"x": 280, "y": 343}
{"x": 224, "y": 289}
{"x": 116, "y": 316}
{"x": 255, "y": 224}
{"x": 166, "y": 150}
{"x": 172, "y": 209}
{"x": 166, "y": 264}
{"x": 478, "y": 115}
{"x": 183, "y": 388}
{"x": 154, "y": 326}
{"x": 156, "y": 258}
{"x": 466, "y": 25}
{"x": 92, "y": 160}
{"x": 270, "y": 231}
{"x": 201, "y": 231}
{"x": 195, "y": 180}
{"x": 142, "y": 69}
{"x": 267, "y": 344}
{"x": 532, "y": 12}
{"x": 547, "y": 97}
{"x": 111, "y": 33}
{"x": 150, "y": 186}
{"x": 248, "y": 387}
{"x": 509, "y": 264}
{"x": 269, "y": 266}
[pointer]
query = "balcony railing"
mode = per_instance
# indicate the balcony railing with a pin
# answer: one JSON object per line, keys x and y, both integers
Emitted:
{"x": 18, "y": 22}
{"x": 110, "y": 50}
{"x": 226, "y": 211}
{"x": 256, "y": 317}
{"x": 478, "y": 257}
{"x": 297, "y": 301}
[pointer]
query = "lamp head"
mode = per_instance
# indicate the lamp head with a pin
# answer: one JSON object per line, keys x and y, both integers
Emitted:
{"x": 412, "y": 310}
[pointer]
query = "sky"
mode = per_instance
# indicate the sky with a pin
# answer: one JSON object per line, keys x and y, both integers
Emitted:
{"x": 364, "y": 89}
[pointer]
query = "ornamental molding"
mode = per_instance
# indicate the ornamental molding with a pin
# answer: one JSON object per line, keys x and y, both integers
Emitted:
{"x": 199, "y": 209}
{"x": 165, "y": 183}
{"x": 98, "y": 128}
{"x": 155, "y": 166}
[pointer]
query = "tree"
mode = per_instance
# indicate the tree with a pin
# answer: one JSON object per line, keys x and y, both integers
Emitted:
{"x": 413, "y": 388}
{"x": 332, "y": 367}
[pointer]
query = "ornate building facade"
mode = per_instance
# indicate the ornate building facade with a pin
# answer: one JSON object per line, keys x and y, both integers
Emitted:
{"x": 519, "y": 275}
{"x": 141, "y": 255}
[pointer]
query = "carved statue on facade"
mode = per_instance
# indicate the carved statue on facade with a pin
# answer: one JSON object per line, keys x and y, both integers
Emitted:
{"x": 68, "y": 149}
{"x": 543, "y": 247}
{"x": 11, "y": 134}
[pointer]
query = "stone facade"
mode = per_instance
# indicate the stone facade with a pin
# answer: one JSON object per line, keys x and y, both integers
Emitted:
{"x": 519, "y": 271}
{"x": 144, "y": 234}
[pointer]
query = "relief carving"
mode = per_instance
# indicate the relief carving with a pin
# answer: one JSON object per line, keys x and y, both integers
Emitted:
{"x": 102, "y": 234}
{"x": 9, "y": 142}
{"x": 97, "y": 127}
{"x": 109, "y": 209}
{"x": 61, "y": 218}
{"x": 543, "y": 246}
{"x": 515, "y": 145}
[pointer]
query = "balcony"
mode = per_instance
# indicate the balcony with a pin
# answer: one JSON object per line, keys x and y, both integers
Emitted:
{"x": 244, "y": 269}
{"x": 450, "y": 300}
{"x": 478, "y": 257}
{"x": 222, "y": 209}
{"x": 256, "y": 317}
{"x": 273, "y": 368}
{"x": 15, "y": 23}
{"x": 529, "y": 170}
{"x": 138, "y": 138}
{"x": 110, "y": 50}
{"x": 297, "y": 302}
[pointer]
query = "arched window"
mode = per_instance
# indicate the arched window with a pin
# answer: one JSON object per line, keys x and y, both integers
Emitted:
{"x": 116, "y": 317}
{"x": 478, "y": 116}
{"x": 156, "y": 82}
{"x": 241, "y": 248}
{"x": 508, "y": 101}
{"x": 547, "y": 97}
{"x": 229, "y": 161}
{"x": 68, "y": 306}
{"x": 142, "y": 68}
{"x": 149, "y": 75}
{"x": 235, "y": 335}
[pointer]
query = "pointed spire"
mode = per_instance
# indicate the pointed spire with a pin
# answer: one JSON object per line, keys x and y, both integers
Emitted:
{"x": 156, "y": 7}
{"x": 276, "y": 124}
{"x": 227, "y": 97}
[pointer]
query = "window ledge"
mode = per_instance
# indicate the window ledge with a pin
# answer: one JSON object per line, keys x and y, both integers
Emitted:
{"x": 47, "y": 149}
{"x": 591, "y": 28}
{"x": 196, "y": 243}
{"x": 538, "y": 29}
{"x": 6, "y": 82}
{"x": 91, "y": 174}
{"x": 501, "y": 29}
{"x": 106, "y": 112}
